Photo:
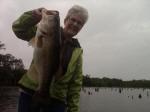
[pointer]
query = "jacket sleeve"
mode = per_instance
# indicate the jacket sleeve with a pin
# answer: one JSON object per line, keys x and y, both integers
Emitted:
{"x": 25, "y": 26}
{"x": 75, "y": 88}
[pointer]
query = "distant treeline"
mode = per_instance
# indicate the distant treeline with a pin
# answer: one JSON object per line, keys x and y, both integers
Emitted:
{"x": 107, "y": 82}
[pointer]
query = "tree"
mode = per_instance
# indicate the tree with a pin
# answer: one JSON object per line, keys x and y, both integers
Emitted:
{"x": 11, "y": 68}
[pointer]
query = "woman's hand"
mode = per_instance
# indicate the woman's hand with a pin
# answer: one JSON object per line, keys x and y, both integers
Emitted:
{"x": 37, "y": 14}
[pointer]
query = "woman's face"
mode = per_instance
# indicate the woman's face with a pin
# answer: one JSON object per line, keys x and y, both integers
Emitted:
{"x": 73, "y": 24}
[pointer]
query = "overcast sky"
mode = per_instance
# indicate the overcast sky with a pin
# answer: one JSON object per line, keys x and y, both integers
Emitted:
{"x": 115, "y": 40}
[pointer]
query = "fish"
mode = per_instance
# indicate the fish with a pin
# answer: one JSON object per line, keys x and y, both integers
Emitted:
{"x": 46, "y": 56}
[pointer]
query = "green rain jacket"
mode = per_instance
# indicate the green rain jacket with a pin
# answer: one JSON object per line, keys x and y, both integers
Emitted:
{"x": 67, "y": 88}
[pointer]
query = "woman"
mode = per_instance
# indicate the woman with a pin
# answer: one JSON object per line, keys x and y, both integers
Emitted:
{"x": 65, "y": 89}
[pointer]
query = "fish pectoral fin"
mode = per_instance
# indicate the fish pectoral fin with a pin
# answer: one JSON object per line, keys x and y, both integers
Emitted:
{"x": 35, "y": 42}
{"x": 32, "y": 42}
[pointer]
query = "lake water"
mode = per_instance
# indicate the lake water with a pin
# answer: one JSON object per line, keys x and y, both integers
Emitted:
{"x": 8, "y": 99}
{"x": 93, "y": 100}
{"x": 115, "y": 100}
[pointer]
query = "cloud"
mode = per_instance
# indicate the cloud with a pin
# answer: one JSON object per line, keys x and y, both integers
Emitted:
{"x": 115, "y": 39}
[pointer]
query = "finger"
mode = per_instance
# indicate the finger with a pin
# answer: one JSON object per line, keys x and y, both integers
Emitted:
{"x": 39, "y": 11}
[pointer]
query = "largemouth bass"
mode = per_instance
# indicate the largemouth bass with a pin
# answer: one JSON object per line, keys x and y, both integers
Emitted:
{"x": 46, "y": 53}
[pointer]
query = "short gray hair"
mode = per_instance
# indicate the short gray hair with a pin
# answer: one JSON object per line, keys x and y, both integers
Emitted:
{"x": 76, "y": 9}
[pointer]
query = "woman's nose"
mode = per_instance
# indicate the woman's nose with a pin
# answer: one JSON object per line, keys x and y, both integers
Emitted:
{"x": 75, "y": 23}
